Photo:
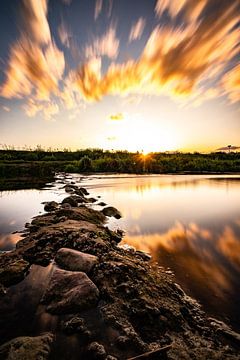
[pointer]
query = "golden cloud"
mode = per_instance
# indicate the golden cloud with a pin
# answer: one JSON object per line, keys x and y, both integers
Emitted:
{"x": 35, "y": 21}
{"x": 231, "y": 84}
{"x": 107, "y": 45}
{"x": 175, "y": 61}
{"x": 118, "y": 116}
{"x": 137, "y": 30}
{"x": 35, "y": 65}
{"x": 178, "y": 61}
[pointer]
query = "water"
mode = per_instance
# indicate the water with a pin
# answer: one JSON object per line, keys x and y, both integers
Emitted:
{"x": 190, "y": 225}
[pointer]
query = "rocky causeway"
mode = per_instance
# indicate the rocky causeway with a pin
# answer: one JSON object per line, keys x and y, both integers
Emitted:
{"x": 111, "y": 301}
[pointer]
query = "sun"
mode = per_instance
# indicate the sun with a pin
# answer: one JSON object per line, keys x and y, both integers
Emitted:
{"x": 136, "y": 134}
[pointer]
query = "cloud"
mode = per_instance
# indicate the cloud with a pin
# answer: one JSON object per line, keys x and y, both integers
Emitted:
{"x": 64, "y": 35}
{"x": 137, "y": 30}
{"x": 176, "y": 61}
{"x": 118, "y": 116}
{"x": 35, "y": 65}
{"x": 6, "y": 108}
{"x": 106, "y": 45}
{"x": 98, "y": 8}
{"x": 35, "y": 22}
{"x": 231, "y": 84}
{"x": 49, "y": 109}
{"x": 191, "y": 8}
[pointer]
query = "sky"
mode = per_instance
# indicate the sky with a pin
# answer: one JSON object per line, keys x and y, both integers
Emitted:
{"x": 136, "y": 75}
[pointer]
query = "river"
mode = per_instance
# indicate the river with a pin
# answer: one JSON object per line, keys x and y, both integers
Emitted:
{"x": 190, "y": 224}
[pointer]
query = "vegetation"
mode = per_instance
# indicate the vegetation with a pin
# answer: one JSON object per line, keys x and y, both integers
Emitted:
{"x": 42, "y": 163}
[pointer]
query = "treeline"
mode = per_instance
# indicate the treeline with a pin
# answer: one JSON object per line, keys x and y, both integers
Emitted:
{"x": 44, "y": 163}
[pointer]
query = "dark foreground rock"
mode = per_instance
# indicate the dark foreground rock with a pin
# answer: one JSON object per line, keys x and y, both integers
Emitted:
{"x": 69, "y": 292}
{"x": 126, "y": 307}
{"x": 27, "y": 348}
{"x": 75, "y": 260}
{"x": 111, "y": 211}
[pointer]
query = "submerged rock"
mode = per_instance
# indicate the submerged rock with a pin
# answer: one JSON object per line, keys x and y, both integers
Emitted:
{"x": 111, "y": 211}
{"x": 51, "y": 206}
{"x": 69, "y": 292}
{"x": 75, "y": 260}
{"x": 27, "y": 348}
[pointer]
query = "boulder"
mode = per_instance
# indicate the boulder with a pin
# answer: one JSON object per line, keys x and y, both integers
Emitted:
{"x": 70, "y": 200}
{"x": 91, "y": 200}
{"x": 70, "y": 292}
{"x": 111, "y": 211}
{"x": 27, "y": 348}
{"x": 75, "y": 260}
{"x": 14, "y": 272}
{"x": 50, "y": 206}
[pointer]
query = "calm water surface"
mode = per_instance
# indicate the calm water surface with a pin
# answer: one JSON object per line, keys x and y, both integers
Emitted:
{"x": 189, "y": 224}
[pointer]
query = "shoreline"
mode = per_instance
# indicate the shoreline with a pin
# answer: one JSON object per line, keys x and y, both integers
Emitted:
{"x": 138, "y": 306}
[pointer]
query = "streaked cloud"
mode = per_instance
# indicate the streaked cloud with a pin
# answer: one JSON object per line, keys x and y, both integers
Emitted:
{"x": 35, "y": 21}
{"x": 231, "y": 84}
{"x": 35, "y": 65}
{"x": 106, "y": 45}
{"x": 118, "y": 116}
{"x": 176, "y": 61}
{"x": 137, "y": 30}
{"x": 64, "y": 34}
{"x": 98, "y": 8}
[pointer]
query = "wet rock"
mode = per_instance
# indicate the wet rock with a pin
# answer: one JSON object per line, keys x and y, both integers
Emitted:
{"x": 70, "y": 292}
{"x": 111, "y": 211}
{"x": 66, "y": 206}
{"x": 102, "y": 203}
{"x": 75, "y": 260}
{"x": 84, "y": 191}
{"x": 14, "y": 272}
{"x": 27, "y": 348}
{"x": 91, "y": 200}
{"x": 69, "y": 189}
{"x": 50, "y": 206}
{"x": 96, "y": 351}
{"x": 70, "y": 200}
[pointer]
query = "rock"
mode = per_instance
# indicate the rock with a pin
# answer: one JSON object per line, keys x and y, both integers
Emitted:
{"x": 111, "y": 211}
{"x": 145, "y": 256}
{"x": 69, "y": 189}
{"x": 91, "y": 200}
{"x": 70, "y": 200}
{"x": 76, "y": 325}
{"x": 102, "y": 203}
{"x": 14, "y": 272}
{"x": 75, "y": 260}
{"x": 84, "y": 191}
{"x": 3, "y": 290}
{"x": 51, "y": 206}
{"x": 97, "y": 351}
{"x": 66, "y": 206}
{"x": 69, "y": 292}
{"x": 27, "y": 348}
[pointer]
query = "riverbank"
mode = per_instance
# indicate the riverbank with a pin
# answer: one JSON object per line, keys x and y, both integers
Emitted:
{"x": 111, "y": 302}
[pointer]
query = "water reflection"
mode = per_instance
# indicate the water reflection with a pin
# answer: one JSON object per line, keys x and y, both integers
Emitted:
{"x": 190, "y": 224}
